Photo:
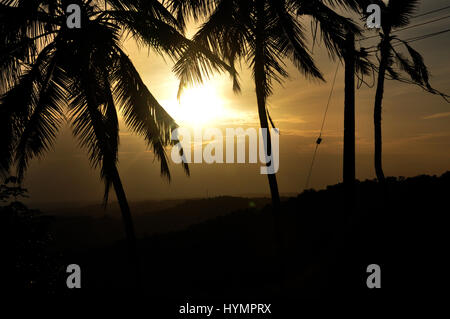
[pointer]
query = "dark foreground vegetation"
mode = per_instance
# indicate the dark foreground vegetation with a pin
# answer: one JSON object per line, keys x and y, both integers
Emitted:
{"x": 324, "y": 251}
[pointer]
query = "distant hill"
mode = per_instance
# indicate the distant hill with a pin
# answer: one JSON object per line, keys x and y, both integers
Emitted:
{"x": 325, "y": 249}
{"x": 80, "y": 227}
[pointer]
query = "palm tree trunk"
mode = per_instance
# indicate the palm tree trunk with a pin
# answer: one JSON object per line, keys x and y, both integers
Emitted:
{"x": 128, "y": 224}
{"x": 378, "y": 109}
{"x": 268, "y": 148}
{"x": 349, "y": 112}
{"x": 260, "y": 80}
{"x": 260, "y": 87}
{"x": 349, "y": 125}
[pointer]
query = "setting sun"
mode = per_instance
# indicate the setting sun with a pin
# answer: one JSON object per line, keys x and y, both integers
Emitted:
{"x": 197, "y": 106}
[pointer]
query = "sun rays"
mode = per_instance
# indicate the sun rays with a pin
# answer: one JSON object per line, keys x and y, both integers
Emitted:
{"x": 198, "y": 107}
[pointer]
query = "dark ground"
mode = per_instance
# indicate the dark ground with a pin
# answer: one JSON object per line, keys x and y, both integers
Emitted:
{"x": 217, "y": 254}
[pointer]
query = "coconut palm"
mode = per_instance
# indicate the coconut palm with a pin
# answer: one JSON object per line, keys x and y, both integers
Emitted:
{"x": 50, "y": 73}
{"x": 263, "y": 33}
{"x": 396, "y": 14}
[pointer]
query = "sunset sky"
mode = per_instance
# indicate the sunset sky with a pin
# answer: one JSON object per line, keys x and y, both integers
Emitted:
{"x": 415, "y": 125}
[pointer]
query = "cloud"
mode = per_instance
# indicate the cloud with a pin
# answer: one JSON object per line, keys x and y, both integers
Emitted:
{"x": 437, "y": 116}
{"x": 428, "y": 138}
{"x": 290, "y": 120}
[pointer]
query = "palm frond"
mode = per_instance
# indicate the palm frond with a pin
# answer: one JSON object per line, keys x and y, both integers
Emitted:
{"x": 211, "y": 45}
{"x": 16, "y": 105}
{"x": 333, "y": 27}
{"x": 416, "y": 69}
{"x": 141, "y": 111}
{"x": 22, "y": 33}
{"x": 363, "y": 65}
{"x": 186, "y": 9}
{"x": 96, "y": 131}
{"x": 355, "y": 5}
{"x": 393, "y": 73}
{"x": 198, "y": 63}
{"x": 153, "y": 33}
{"x": 274, "y": 69}
{"x": 41, "y": 127}
{"x": 399, "y": 12}
{"x": 151, "y": 9}
{"x": 290, "y": 39}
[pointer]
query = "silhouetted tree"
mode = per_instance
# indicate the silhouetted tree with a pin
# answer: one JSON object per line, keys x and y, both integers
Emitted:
{"x": 396, "y": 14}
{"x": 49, "y": 72}
{"x": 24, "y": 239}
{"x": 264, "y": 33}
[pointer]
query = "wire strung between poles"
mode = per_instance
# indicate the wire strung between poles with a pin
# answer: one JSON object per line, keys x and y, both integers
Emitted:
{"x": 319, "y": 139}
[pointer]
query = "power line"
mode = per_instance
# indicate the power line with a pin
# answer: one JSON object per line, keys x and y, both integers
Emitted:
{"x": 329, "y": 99}
{"x": 423, "y": 37}
{"x": 421, "y": 24}
{"x": 410, "y": 27}
{"x": 413, "y": 17}
{"x": 424, "y": 87}
{"x": 414, "y": 39}
{"x": 319, "y": 139}
{"x": 430, "y": 12}
{"x": 426, "y": 36}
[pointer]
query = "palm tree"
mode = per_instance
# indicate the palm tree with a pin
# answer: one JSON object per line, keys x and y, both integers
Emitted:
{"x": 50, "y": 73}
{"x": 264, "y": 33}
{"x": 396, "y": 14}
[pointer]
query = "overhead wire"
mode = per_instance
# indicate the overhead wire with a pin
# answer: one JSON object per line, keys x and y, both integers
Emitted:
{"x": 413, "y": 39}
{"x": 319, "y": 139}
{"x": 409, "y": 27}
{"x": 430, "y": 12}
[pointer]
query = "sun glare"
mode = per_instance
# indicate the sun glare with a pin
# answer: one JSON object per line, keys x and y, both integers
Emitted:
{"x": 197, "y": 107}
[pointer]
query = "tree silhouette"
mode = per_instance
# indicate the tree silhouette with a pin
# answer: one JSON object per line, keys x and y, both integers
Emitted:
{"x": 355, "y": 62}
{"x": 264, "y": 34}
{"x": 396, "y": 14}
{"x": 50, "y": 73}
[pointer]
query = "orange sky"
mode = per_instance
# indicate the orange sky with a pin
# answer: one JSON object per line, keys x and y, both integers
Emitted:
{"x": 415, "y": 123}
